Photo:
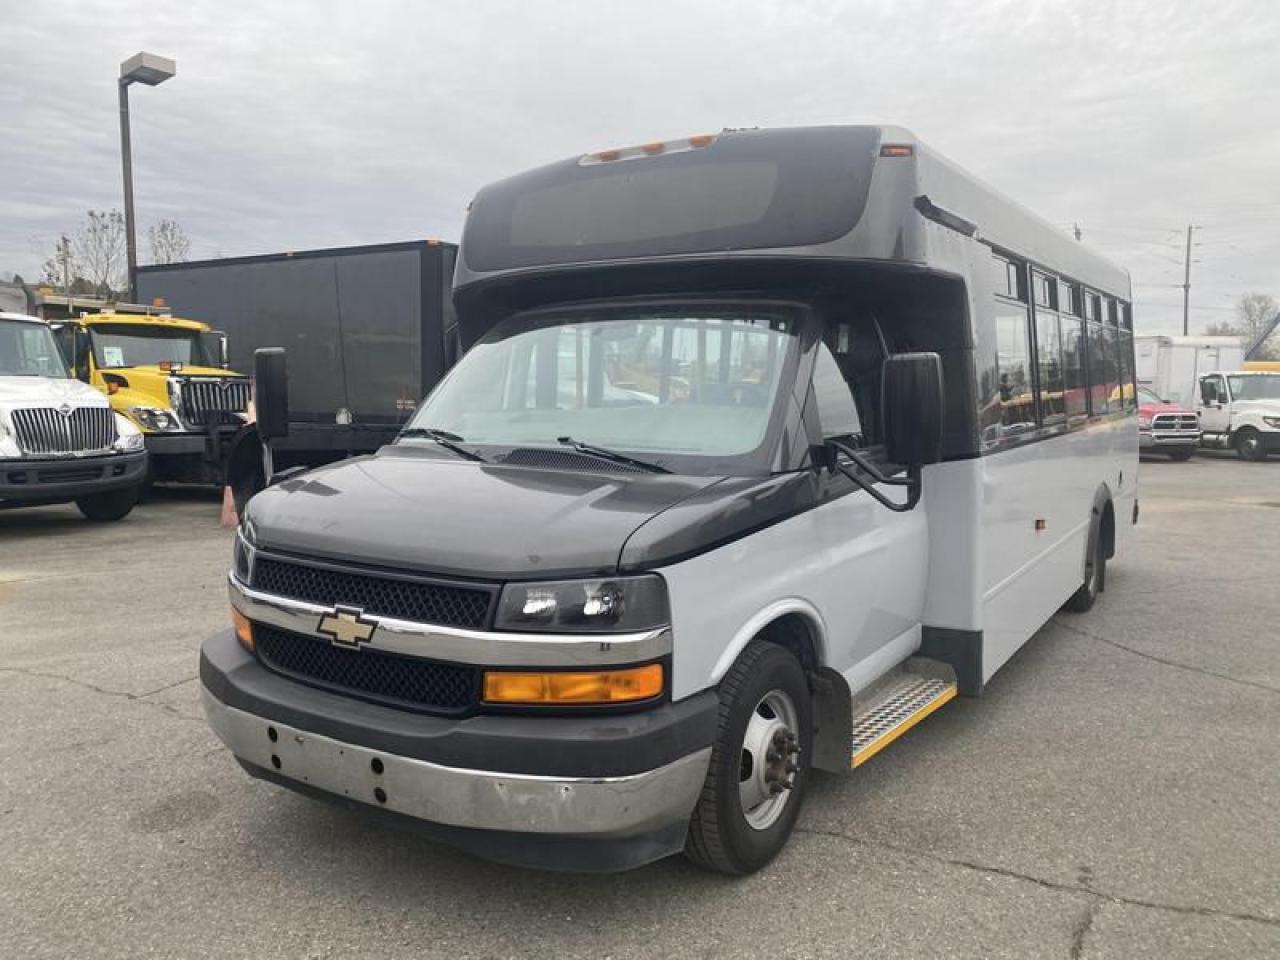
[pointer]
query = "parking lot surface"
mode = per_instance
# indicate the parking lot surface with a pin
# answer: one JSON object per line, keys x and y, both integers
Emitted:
{"x": 1114, "y": 793}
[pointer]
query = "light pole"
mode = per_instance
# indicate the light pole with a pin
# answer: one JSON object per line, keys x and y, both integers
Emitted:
{"x": 140, "y": 68}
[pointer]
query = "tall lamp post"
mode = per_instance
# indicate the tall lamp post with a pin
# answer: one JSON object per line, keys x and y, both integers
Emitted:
{"x": 140, "y": 68}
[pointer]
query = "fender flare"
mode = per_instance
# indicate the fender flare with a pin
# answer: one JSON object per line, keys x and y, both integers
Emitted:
{"x": 1101, "y": 503}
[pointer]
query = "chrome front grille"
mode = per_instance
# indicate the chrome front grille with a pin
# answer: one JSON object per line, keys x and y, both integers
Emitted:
{"x": 1176, "y": 423}
{"x": 43, "y": 430}
{"x": 212, "y": 400}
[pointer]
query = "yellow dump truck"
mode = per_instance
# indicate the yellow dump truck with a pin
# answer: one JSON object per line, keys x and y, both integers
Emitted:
{"x": 168, "y": 375}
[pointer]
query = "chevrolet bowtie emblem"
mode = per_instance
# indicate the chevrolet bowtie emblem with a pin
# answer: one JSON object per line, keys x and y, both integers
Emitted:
{"x": 346, "y": 627}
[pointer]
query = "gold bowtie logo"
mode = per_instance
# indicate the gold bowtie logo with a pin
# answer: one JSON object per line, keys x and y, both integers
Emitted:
{"x": 346, "y": 627}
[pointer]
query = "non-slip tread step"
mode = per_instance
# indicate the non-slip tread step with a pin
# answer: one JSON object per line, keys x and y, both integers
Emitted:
{"x": 899, "y": 707}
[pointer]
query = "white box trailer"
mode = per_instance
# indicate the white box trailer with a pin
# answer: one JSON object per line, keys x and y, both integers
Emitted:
{"x": 1172, "y": 366}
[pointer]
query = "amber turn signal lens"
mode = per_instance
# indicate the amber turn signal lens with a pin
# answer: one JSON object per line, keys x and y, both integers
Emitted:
{"x": 244, "y": 629}
{"x": 596, "y": 686}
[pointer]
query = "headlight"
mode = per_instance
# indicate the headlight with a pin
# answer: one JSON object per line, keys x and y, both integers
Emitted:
{"x": 242, "y": 556}
{"x": 128, "y": 437}
{"x": 156, "y": 418}
{"x": 611, "y": 605}
{"x": 1272, "y": 422}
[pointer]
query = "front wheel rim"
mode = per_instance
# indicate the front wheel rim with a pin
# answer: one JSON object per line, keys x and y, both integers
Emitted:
{"x": 769, "y": 759}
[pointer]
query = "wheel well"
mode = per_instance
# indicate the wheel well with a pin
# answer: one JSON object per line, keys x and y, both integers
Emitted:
{"x": 1108, "y": 531}
{"x": 794, "y": 632}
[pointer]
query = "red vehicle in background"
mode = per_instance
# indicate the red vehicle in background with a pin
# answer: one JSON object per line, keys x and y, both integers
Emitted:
{"x": 1165, "y": 427}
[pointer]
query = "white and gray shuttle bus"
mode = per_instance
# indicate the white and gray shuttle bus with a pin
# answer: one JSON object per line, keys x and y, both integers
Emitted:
{"x": 764, "y": 446}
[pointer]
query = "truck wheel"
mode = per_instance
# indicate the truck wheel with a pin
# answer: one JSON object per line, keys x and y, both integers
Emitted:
{"x": 1249, "y": 444}
{"x": 1181, "y": 453}
{"x": 760, "y": 764}
{"x": 109, "y": 506}
{"x": 1095, "y": 578}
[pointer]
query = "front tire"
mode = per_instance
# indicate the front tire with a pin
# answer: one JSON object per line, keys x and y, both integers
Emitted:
{"x": 1249, "y": 445}
{"x": 109, "y": 506}
{"x": 760, "y": 764}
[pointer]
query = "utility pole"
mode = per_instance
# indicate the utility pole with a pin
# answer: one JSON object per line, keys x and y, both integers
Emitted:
{"x": 64, "y": 254}
{"x": 1186, "y": 285}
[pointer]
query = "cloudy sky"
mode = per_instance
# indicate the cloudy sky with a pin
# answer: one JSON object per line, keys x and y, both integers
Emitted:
{"x": 294, "y": 125}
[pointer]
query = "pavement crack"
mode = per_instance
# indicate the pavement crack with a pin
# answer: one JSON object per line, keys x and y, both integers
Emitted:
{"x": 1098, "y": 896}
{"x": 106, "y": 691}
{"x": 167, "y": 686}
{"x": 1083, "y": 927}
{"x": 1071, "y": 628}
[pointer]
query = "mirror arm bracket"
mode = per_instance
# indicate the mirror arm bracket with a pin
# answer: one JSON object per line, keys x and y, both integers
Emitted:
{"x": 911, "y": 481}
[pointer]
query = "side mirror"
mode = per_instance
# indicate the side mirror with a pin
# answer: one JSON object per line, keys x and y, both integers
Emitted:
{"x": 271, "y": 393}
{"x": 912, "y": 408}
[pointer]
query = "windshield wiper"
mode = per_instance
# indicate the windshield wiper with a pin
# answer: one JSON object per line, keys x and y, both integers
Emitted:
{"x": 612, "y": 455}
{"x": 446, "y": 439}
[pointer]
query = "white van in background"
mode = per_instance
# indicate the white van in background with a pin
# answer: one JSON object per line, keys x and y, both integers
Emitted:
{"x": 59, "y": 439}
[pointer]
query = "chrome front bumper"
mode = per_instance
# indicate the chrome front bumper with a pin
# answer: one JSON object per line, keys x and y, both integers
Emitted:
{"x": 453, "y": 796}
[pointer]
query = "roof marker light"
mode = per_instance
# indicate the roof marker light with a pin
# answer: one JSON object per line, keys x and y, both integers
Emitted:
{"x": 702, "y": 140}
{"x": 653, "y": 149}
{"x": 897, "y": 150}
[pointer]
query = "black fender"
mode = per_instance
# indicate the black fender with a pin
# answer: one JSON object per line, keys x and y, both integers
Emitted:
{"x": 1102, "y": 523}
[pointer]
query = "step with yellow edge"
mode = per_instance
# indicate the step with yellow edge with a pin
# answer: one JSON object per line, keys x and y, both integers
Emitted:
{"x": 898, "y": 703}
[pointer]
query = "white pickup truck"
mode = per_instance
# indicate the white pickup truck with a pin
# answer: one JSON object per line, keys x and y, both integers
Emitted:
{"x": 1241, "y": 410}
{"x": 59, "y": 439}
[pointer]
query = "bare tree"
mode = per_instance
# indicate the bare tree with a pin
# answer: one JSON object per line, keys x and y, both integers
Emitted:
{"x": 169, "y": 242}
{"x": 1224, "y": 329}
{"x": 1255, "y": 311}
{"x": 99, "y": 249}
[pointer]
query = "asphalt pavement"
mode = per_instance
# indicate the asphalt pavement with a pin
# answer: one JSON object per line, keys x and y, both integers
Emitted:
{"x": 1114, "y": 793}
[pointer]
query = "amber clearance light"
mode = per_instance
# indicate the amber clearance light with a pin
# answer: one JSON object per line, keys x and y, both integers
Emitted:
{"x": 587, "y": 687}
{"x": 244, "y": 629}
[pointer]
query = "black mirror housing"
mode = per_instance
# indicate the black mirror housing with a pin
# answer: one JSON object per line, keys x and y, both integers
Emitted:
{"x": 271, "y": 393}
{"x": 912, "y": 408}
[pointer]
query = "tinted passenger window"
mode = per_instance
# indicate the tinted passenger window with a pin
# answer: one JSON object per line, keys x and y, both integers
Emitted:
{"x": 1075, "y": 384}
{"x": 1049, "y": 360}
{"x": 1017, "y": 404}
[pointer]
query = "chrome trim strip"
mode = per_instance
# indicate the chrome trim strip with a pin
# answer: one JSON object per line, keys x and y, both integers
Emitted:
{"x": 488, "y": 800}
{"x": 457, "y": 645}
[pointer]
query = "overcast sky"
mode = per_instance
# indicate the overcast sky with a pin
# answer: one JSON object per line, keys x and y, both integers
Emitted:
{"x": 293, "y": 125}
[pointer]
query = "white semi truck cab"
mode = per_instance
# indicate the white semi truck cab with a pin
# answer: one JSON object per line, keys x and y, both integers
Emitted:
{"x": 60, "y": 441}
{"x": 1241, "y": 410}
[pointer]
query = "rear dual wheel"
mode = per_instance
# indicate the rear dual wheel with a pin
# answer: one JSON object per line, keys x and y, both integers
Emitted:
{"x": 760, "y": 763}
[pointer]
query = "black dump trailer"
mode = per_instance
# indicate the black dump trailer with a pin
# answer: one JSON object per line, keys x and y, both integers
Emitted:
{"x": 367, "y": 331}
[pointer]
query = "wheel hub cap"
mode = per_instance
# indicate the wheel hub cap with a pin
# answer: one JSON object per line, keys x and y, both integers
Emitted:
{"x": 769, "y": 760}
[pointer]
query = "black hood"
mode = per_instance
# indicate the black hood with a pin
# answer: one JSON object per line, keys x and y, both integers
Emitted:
{"x": 408, "y": 508}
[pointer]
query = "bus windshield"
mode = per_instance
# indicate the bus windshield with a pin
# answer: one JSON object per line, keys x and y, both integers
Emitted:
{"x": 138, "y": 345}
{"x": 1255, "y": 387}
{"x": 28, "y": 350}
{"x": 694, "y": 380}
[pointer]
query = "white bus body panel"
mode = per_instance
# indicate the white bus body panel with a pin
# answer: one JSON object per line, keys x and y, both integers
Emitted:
{"x": 1030, "y": 573}
{"x": 856, "y": 571}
